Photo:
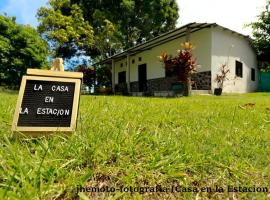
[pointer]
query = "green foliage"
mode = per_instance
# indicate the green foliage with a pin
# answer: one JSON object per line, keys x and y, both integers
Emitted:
{"x": 100, "y": 29}
{"x": 21, "y": 47}
{"x": 116, "y": 24}
{"x": 261, "y": 33}
{"x": 130, "y": 141}
{"x": 265, "y": 67}
{"x": 135, "y": 19}
{"x": 63, "y": 25}
{"x": 107, "y": 40}
{"x": 103, "y": 76}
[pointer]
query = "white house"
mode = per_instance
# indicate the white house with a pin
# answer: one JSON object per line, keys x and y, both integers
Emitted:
{"x": 139, "y": 67}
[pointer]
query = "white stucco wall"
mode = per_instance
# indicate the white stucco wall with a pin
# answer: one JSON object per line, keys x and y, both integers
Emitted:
{"x": 213, "y": 47}
{"x": 227, "y": 47}
{"x": 202, "y": 51}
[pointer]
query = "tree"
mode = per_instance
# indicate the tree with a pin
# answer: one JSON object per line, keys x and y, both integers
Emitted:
{"x": 135, "y": 20}
{"x": 261, "y": 33}
{"x": 21, "y": 47}
{"x": 88, "y": 75}
{"x": 116, "y": 25}
{"x": 101, "y": 28}
{"x": 64, "y": 27}
{"x": 103, "y": 76}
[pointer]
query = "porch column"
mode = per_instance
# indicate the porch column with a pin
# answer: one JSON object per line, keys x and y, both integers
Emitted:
{"x": 128, "y": 73}
{"x": 113, "y": 76}
{"x": 188, "y": 34}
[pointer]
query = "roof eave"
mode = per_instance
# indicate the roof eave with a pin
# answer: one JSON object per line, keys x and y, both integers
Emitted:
{"x": 171, "y": 35}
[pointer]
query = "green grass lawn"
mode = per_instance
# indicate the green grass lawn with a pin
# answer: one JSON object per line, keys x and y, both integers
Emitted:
{"x": 194, "y": 142}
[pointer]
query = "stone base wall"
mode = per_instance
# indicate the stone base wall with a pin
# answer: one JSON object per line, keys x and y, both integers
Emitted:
{"x": 201, "y": 81}
{"x": 161, "y": 84}
{"x": 134, "y": 86}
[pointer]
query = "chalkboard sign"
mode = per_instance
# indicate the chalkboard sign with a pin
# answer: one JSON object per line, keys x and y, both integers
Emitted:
{"x": 47, "y": 104}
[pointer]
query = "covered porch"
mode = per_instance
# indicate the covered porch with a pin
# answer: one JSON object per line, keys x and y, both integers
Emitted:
{"x": 123, "y": 81}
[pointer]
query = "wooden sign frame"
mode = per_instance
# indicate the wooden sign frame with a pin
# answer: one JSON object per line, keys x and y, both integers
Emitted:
{"x": 50, "y": 76}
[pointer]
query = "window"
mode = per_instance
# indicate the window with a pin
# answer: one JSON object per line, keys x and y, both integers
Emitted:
{"x": 238, "y": 69}
{"x": 140, "y": 59}
{"x": 121, "y": 65}
{"x": 133, "y": 61}
{"x": 253, "y": 74}
{"x": 122, "y": 77}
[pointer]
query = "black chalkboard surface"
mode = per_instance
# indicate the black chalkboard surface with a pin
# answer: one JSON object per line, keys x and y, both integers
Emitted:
{"x": 46, "y": 104}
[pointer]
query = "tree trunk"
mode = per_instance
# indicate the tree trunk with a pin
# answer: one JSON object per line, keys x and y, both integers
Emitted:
{"x": 188, "y": 87}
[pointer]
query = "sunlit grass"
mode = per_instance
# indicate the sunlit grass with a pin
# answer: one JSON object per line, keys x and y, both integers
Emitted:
{"x": 197, "y": 141}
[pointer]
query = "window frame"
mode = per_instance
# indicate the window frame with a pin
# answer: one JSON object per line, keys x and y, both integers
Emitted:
{"x": 253, "y": 74}
{"x": 238, "y": 69}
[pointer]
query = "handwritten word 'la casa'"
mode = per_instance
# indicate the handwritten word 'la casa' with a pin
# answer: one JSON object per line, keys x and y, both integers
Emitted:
{"x": 54, "y": 88}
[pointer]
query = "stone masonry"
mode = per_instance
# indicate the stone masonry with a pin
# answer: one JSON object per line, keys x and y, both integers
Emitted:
{"x": 201, "y": 81}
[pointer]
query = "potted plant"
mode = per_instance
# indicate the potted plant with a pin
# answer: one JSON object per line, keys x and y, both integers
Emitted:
{"x": 220, "y": 78}
{"x": 103, "y": 90}
{"x": 183, "y": 64}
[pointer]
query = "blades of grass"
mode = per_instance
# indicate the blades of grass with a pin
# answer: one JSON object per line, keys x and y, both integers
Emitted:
{"x": 232, "y": 122}
{"x": 38, "y": 178}
{"x": 9, "y": 184}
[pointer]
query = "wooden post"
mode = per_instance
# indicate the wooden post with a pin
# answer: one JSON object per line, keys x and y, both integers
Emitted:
{"x": 128, "y": 73}
{"x": 188, "y": 87}
{"x": 188, "y": 34}
{"x": 113, "y": 76}
{"x": 58, "y": 65}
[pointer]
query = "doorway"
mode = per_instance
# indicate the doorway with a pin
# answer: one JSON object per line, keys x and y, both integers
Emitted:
{"x": 142, "y": 76}
{"x": 122, "y": 77}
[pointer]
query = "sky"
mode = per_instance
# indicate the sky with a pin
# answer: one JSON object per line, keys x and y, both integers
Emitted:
{"x": 232, "y": 14}
{"x": 24, "y": 10}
